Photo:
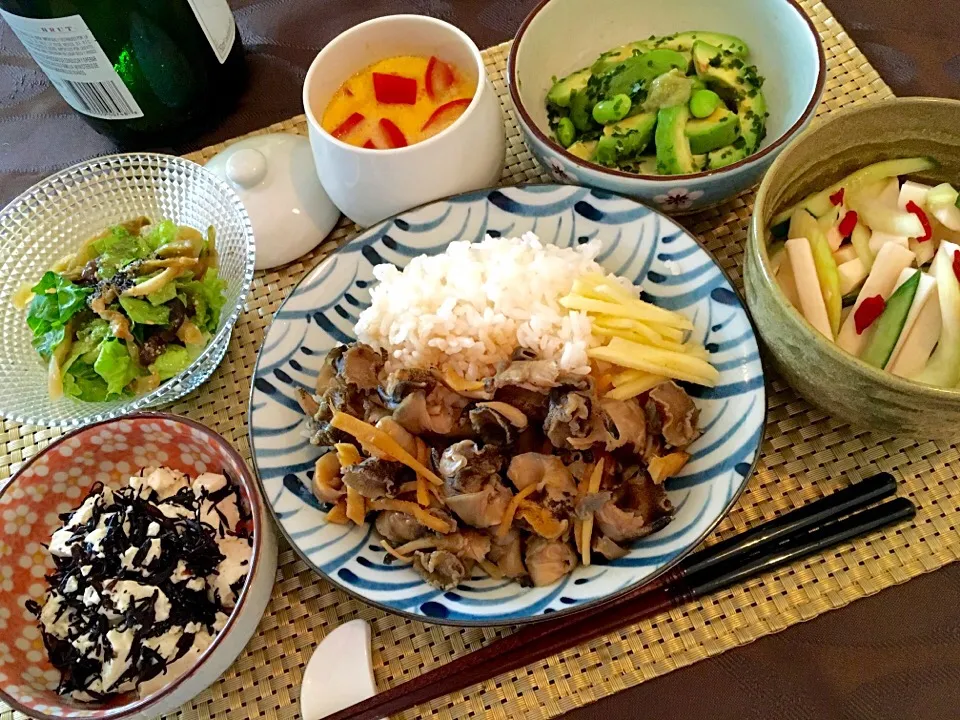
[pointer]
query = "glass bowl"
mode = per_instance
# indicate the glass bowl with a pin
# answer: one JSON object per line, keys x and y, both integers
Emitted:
{"x": 58, "y": 214}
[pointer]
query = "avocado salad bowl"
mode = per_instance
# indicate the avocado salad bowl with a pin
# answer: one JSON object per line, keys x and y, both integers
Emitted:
{"x": 682, "y": 105}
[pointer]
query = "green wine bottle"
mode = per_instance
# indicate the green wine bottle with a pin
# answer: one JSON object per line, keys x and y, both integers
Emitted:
{"x": 142, "y": 72}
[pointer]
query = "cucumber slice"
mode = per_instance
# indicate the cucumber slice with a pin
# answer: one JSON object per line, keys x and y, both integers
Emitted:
{"x": 819, "y": 202}
{"x": 890, "y": 323}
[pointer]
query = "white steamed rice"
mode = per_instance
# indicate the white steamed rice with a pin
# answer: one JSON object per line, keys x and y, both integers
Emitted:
{"x": 471, "y": 306}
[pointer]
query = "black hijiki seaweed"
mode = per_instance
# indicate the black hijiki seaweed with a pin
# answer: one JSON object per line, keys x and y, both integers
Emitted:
{"x": 186, "y": 539}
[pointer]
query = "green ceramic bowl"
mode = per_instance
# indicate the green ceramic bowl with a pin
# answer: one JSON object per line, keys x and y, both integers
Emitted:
{"x": 824, "y": 374}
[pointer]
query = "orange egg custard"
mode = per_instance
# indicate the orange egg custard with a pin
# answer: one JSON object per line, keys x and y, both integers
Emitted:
{"x": 397, "y": 102}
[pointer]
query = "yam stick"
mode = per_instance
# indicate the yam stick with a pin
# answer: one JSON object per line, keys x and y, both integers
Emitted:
{"x": 594, "y": 487}
{"x": 507, "y": 520}
{"x": 356, "y": 506}
{"x": 637, "y": 309}
{"x": 635, "y": 387}
{"x": 423, "y": 455}
{"x": 390, "y": 551}
{"x": 338, "y": 513}
{"x": 347, "y": 453}
{"x": 490, "y": 569}
{"x": 366, "y": 433}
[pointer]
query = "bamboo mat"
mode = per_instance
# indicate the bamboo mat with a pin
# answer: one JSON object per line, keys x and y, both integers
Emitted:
{"x": 806, "y": 455}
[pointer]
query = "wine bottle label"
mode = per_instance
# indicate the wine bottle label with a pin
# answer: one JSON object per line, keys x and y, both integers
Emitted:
{"x": 76, "y": 65}
{"x": 218, "y": 25}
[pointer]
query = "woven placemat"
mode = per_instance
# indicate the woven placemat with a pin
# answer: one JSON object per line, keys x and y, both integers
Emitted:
{"x": 806, "y": 455}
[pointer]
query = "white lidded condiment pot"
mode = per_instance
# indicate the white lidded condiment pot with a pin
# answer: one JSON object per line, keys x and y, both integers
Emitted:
{"x": 275, "y": 177}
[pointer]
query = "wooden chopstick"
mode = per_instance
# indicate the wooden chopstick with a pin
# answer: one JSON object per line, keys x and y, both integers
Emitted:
{"x": 802, "y": 532}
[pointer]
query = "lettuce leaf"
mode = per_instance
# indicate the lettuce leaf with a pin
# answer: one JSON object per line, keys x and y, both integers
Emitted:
{"x": 47, "y": 343}
{"x": 86, "y": 343}
{"x": 208, "y": 298}
{"x": 55, "y": 301}
{"x": 82, "y": 382}
{"x": 165, "y": 294}
{"x": 145, "y": 313}
{"x": 161, "y": 233}
{"x": 118, "y": 249}
{"x": 115, "y": 365}
{"x": 172, "y": 361}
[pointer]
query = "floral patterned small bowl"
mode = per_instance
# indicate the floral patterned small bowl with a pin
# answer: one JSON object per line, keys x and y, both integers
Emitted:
{"x": 561, "y": 36}
{"x": 54, "y": 482}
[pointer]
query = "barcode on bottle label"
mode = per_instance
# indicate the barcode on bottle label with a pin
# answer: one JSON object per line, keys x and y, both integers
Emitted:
{"x": 102, "y": 99}
{"x": 76, "y": 65}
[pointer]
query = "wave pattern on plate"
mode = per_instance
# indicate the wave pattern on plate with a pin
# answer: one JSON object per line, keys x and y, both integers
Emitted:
{"x": 639, "y": 244}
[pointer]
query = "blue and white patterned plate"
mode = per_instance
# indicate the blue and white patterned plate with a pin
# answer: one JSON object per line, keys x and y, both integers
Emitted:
{"x": 639, "y": 244}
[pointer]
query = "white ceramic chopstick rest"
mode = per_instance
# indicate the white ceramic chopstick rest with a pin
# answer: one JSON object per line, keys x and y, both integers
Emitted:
{"x": 340, "y": 672}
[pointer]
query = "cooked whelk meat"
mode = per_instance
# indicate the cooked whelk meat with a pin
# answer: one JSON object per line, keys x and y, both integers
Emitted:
{"x": 548, "y": 473}
{"x": 608, "y": 548}
{"x": 494, "y": 427}
{"x": 484, "y": 508}
{"x": 343, "y": 385}
{"x": 422, "y": 404}
{"x": 638, "y": 509}
{"x": 629, "y": 423}
{"x": 474, "y": 490}
{"x": 548, "y": 560}
{"x": 411, "y": 414}
{"x": 398, "y": 528}
{"x": 512, "y": 414}
{"x": 568, "y": 417}
{"x": 679, "y": 413}
{"x": 307, "y": 402}
{"x": 506, "y": 553}
{"x": 465, "y": 467}
{"x": 437, "y": 412}
{"x": 539, "y": 375}
{"x": 440, "y": 568}
{"x": 375, "y": 478}
{"x": 535, "y": 468}
{"x": 466, "y": 544}
{"x": 532, "y": 403}
{"x": 591, "y": 503}
{"x": 359, "y": 365}
{"x": 404, "y": 381}
{"x": 328, "y": 372}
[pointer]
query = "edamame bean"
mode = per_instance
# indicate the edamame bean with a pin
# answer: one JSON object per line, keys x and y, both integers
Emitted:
{"x": 566, "y": 132}
{"x": 698, "y": 84}
{"x": 703, "y": 103}
{"x": 612, "y": 110}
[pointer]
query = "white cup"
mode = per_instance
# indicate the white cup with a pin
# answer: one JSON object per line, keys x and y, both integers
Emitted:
{"x": 369, "y": 185}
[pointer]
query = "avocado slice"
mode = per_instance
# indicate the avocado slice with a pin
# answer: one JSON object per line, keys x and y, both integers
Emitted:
{"x": 646, "y": 165}
{"x": 673, "y": 147}
{"x": 625, "y": 140}
{"x": 641, "y": 69}
{"x": 752, "y": 116}
{"x": 559, "y": 94}
{"x": 584, "y": 149}
{"x": 724, "y": 72}
{"x": 581, "y": 107}
{"x": 714, "y": 131}
{"x": 684, "y": 41}
{"x": 612, "y": 58}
